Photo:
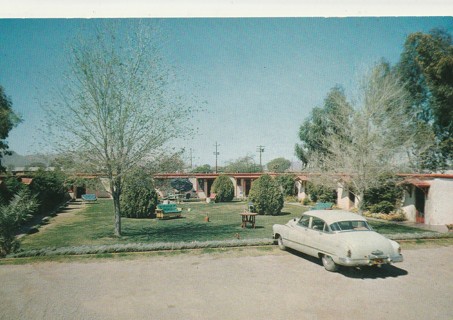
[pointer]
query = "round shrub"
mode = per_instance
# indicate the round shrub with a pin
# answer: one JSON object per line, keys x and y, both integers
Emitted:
{"x": 223, "y": 188}
{"x": 266, "y": 195}
{"x": 139, "y": 198}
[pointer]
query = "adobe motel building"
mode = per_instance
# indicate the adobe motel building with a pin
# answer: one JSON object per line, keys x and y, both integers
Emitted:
{"x": 202, "y": 182}
{"x": 427, "y": 198}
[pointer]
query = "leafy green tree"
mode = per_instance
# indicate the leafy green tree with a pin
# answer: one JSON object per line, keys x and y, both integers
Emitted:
{"x": 278, "y": 165}
{"x": 286, "y": 182}
{"x": 426, "y": 64}
{"x": 11, "y": 217}
{"x": 223, "y": 188}
{"x": 206, "y": 168}
{"x": 139, "y": 197}
{"x": 242, "y": 165}
{"x": 322, "y": 121}
{"x": 266, "y": 195}
{"x": 8, "y": 120}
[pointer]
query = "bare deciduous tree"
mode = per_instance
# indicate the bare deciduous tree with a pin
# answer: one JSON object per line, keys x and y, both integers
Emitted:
{"x": 374, "y": 138}
{"x": 116, "y": 109}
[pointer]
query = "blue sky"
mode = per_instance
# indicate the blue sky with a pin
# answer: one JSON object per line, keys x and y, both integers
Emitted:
{"x": 260, "y": 77}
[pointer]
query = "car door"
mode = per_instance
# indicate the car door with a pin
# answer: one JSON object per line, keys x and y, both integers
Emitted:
{"x": 298, "y": 234}
{"x": 318, "y": 238}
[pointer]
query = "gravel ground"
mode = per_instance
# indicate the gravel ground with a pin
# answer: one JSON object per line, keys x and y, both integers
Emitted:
{"x": 234, "y": 284}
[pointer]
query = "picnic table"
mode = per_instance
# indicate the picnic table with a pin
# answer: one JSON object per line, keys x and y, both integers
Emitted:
{"x": 248, "y": 217}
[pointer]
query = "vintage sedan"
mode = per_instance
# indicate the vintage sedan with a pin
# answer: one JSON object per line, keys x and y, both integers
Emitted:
{"x": 337, "y": 237}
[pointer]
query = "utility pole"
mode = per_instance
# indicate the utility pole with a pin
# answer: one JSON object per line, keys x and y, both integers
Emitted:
{"x": 191, "y": 161}
{"x": 260, "y": 149}
{"x": 216, "y": 155}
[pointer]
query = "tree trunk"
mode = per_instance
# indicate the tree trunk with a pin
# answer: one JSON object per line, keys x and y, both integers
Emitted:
{"x": 116, "y": 204}
{"x": 360, "y": 202}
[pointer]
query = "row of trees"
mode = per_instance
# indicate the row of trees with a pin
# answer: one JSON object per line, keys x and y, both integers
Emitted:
{"x": 399, "y": 120}
{"x": 247, "y": 164}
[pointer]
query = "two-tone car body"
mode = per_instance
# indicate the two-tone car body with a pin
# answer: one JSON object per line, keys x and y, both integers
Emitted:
{"x": 338, "y": 238}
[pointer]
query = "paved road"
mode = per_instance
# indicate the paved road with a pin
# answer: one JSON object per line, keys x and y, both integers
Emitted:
{"x": 229, "y": 285}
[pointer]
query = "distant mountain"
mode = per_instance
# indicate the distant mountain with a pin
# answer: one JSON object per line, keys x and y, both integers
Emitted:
{"x": 17, "y": 160}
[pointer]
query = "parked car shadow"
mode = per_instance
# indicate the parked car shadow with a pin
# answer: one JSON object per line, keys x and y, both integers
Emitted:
{"x": 385, "y": 271}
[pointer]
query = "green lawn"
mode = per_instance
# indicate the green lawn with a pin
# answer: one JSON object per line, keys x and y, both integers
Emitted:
{"x": 94, "y": 226}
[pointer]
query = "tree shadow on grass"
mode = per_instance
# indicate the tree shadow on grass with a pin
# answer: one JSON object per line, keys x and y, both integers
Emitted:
{"x": 282, "y": 214}
{"x": 186, "y": 232}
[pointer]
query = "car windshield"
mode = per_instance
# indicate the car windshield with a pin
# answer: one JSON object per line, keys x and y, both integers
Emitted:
{"x": 353, "y": 225}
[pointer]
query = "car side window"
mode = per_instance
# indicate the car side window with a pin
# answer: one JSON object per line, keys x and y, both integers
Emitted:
{"x": 317, "y": 224}
{"x": 304, "y": 221}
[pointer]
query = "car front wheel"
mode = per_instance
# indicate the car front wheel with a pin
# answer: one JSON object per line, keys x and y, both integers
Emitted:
{"x": 280, "y": 243}
{"x": 328, "y": 263}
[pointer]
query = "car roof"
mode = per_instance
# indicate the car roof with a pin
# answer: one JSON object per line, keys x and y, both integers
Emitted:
{"x": 331, "y": 216}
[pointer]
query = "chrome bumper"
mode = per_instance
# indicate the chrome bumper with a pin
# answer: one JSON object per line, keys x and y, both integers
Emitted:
{"x": 371, "y": 261}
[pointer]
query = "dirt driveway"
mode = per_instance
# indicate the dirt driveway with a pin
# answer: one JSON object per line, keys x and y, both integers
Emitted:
{"x": 250, "y": 284}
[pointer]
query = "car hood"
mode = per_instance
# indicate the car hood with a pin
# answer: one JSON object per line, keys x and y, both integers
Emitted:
{"x": 364, "y": 243}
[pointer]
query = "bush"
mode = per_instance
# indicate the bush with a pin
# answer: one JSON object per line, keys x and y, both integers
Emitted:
{"x": 393, "y": 216}
{"x": 11, "y": 217}
{"x": 49, "y": 189}
{"x": 223, "y": 188}
{"x": 383, "y": 198}
{"x": 139, "y": 197}
{"x": 286, "y": 182}
{"x": 13, "y": 186}
{"x": 320, "y": 193}
{"x": 266, "y": 195}
{"x": 382, "y": 207}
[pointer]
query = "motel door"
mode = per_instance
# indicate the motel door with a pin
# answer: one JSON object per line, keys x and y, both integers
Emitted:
{"x": 420, "y": 205}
